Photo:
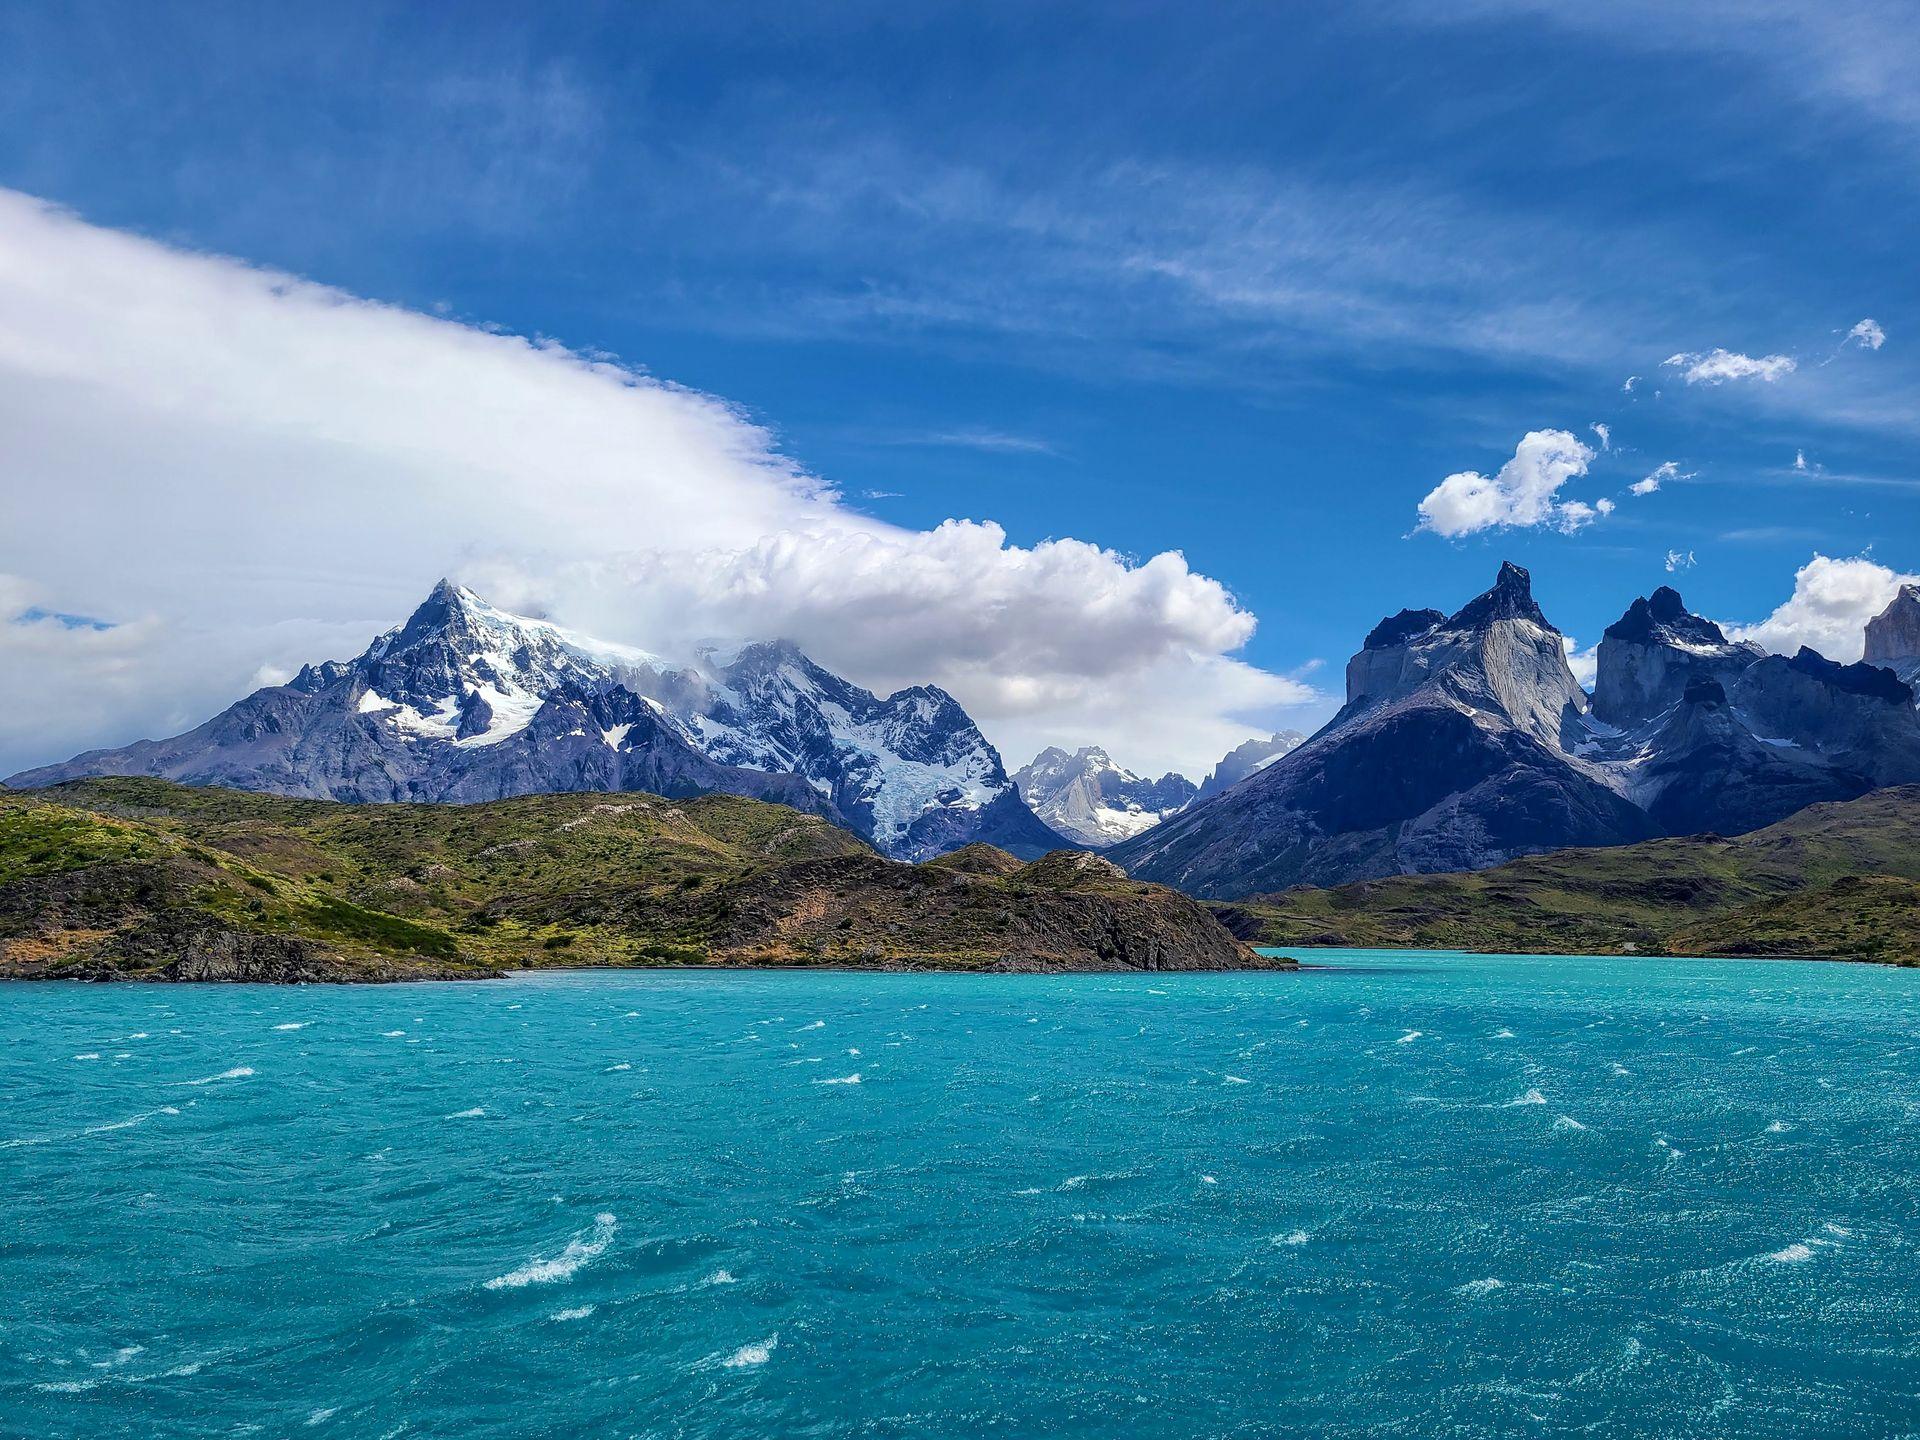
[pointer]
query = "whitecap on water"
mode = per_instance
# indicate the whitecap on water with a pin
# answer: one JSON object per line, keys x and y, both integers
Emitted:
{"x": 1474, "y": 1289}
{"x": 320, "y": 1417}
{"x": 579, "y": 1251}
{"x": 749, "y": 1356}
{"x": 1234, "y": 1080}
{"x": 1292, "y": 1237}
{"x": 579, "y": 1312}
{"x": 392, "y": 1034}
{"x": 1408, "y": 1038}
{"x": 1532, "y": 1097}
{"x": 1501, "y": 1034}
{"x": 1778, "y": 1127}
{"x": 853, "y": 1079}
{"x": 623, "y": 1065}
{"x": 474, "y": 1114}
{"x": 719, "y": 1277}
{"x": 294, "y": 1025}
{"x": 1567, "y": 1122}
{"x": 1792, "y": 1254}
{"x": 816, "y": 1025}
{"x": 239, "y": 1072}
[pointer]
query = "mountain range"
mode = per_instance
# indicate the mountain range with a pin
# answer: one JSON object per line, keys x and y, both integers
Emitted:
{"x": 1465, "y": 742}
{"x": 467, "y": 702}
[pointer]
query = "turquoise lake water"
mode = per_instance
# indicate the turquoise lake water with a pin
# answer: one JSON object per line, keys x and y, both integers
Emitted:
{"x": 1404, "y": 1195}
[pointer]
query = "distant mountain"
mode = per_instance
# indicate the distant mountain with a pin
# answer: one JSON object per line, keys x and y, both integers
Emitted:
{"x": 1244, "y": 759}
{"x": 468, "y": 702}
{"x": 1088, "y": 798}
{"x": 1893, "y": 636}
{"x": 1466, "y": 742}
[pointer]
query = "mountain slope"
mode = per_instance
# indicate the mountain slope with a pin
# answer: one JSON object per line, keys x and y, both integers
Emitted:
{"x": 140, "y": 878}
{"x": 1089, "y": 799}
{"x": 1839, "y": 880}
{"x": 467, "y": 702}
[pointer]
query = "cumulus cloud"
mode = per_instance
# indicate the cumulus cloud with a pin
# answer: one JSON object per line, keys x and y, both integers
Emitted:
{"x": 1585, "y": 664}
{"x": 1868, "y": 335}
{"x": 1524, "y": 492}
{"x": 1605, "y": 432}
{"x": 1717, "y": 366}
{"x": 1831, "y": 603}
{"x": 245, "y": 471}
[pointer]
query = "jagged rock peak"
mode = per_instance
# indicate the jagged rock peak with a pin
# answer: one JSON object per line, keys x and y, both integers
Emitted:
{"x": 1398, "y": 629}
{"x": 1511, "y": 598}
{"x": 1663, "y": 617}
{"x": 1894, "y": 634}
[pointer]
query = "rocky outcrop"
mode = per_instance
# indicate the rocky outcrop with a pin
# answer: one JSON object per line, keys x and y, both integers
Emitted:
{"x": 1893, "y": 636}
{"x": 1089, "y": 799}
{"x": 1858, "y": 717}
{"x": 466, "y": 702}
{"x": 1649, "y": 656}
{"x": 1065, "y": 912}
{"x": 1247, "y": 758}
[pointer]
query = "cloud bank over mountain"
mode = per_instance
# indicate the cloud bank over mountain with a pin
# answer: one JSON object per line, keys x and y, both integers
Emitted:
{"x": 236, "y": 469}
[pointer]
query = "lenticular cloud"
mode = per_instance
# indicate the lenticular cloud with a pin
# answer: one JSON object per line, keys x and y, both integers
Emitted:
{"x": 314, "y": 460}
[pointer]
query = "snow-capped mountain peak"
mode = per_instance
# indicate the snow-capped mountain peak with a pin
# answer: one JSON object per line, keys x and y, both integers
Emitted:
{"x": 1088, "y": 797}
{"x": 466, "y": 701}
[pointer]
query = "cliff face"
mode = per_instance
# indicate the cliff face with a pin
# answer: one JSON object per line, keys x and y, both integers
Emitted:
{"x": 1649, "y": 656}
{"x": 1893, "y": 636}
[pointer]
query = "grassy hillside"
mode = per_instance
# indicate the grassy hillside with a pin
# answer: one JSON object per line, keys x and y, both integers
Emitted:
{"x": 1839, "y": 880}
{"x": 136, "y": 876}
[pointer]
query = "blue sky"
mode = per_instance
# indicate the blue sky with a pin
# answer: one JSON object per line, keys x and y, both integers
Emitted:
{"x": 1247, "y": 282}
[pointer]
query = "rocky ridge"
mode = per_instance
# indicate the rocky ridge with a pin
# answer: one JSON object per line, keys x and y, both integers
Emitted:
{"x": 1465, "y": 742}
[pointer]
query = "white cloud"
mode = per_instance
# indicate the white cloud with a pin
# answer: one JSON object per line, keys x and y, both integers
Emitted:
{"x": 1831, "y": 603}
{"x": 250, "y": 471}
{"x": 1605, "y": 432}
{"x": 1680, "y": 560}
{"x": 1627, "y": 387}
{"x": 1799, "y": 459}
{"x": 1661, "y": 473}
{"x": 1521, "y": 494}
{"x": 1585, "y": 664}
{"x": 1717, "y": 366}
{"x": 1869, "y": 334}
